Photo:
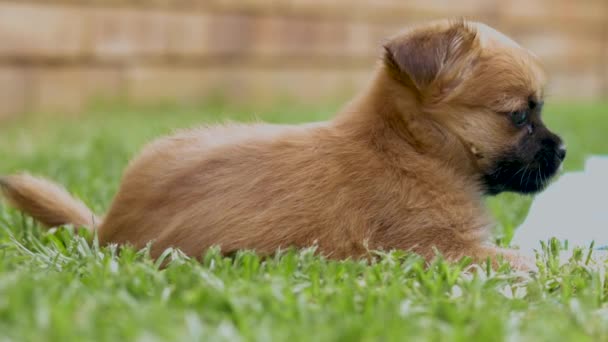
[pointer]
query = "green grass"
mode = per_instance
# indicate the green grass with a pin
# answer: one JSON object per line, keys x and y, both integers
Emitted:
{"x": 57, "y": 286}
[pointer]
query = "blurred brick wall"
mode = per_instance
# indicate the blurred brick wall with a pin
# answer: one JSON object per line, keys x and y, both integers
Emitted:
{"x": 56, "y": 55}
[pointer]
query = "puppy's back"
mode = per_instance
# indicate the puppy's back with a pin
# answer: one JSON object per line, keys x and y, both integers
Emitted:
{"x": 226, "y": 185}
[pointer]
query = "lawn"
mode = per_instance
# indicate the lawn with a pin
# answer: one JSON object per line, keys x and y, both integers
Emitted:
{"x": 60, "y": 287}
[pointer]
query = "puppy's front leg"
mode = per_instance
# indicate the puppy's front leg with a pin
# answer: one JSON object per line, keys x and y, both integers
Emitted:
{"x": 516, "y": 259}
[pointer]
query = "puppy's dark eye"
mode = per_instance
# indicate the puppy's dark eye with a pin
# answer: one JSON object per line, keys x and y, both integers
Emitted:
{"x": 519, "y": 118}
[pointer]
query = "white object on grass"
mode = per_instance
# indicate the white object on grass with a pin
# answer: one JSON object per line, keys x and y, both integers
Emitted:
{"x": 574, "y": 209}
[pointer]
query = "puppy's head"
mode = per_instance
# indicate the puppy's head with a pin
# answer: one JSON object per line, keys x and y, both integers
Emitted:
{"x": 486, "y": 93}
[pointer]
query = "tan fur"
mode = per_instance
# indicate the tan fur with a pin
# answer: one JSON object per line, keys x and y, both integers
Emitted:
{"x": 398, "y": 168}
{"x": 47, "y": 202}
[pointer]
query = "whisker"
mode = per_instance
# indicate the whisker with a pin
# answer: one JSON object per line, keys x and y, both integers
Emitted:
{"x": 515, "y": 174}
{"x": 528, "y": 179}
{"x": 521, "y": 180}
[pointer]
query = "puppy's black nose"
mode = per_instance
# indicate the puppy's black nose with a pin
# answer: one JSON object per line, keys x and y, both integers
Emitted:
{"x": 561, "y": 152}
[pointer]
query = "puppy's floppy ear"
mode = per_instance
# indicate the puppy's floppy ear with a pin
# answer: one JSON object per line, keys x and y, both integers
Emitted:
{"x": 426, "y": 56}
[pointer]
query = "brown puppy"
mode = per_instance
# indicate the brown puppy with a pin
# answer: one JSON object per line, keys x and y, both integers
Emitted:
{"x": 452, "y": 114}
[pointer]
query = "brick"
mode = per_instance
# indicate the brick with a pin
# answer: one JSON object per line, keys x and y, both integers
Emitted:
{"x": 266, "y": 36}
{"x": 103, "y": 83}
{"x": 332, "y": 38}
{"x": 126, "y": 34}
{"x": 30, "y": 31}
{"x": 395, "y": 11}
{"x": 292, "y": 37}
{"x": 257, "y": 6}
{"x": 230, "y": 35}
{"x": 69, "y": 89}
{"x": 188, "y": 34}
{"x": 154, "y": 84}
{"x": 428, "y": 8}
{"x": 13, "y": 91}
{"x": 241, "y": 84}
{"x": 576, "y": 86}
{"x": 278, "y": 36}
{"x": 299, "y": 85}
{"x": 558, "y": 49}
{"x": 299, "y": 36}
{"x": 381, "y": 33}
{"x": 554, "y": 10}
{"x": 361, "y": 40}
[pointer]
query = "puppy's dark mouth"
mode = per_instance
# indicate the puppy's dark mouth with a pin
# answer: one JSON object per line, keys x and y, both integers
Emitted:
{"x": 511, "y": 173}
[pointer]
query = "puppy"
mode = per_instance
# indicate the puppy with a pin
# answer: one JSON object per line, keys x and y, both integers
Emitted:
{"x": 453, "y": 113}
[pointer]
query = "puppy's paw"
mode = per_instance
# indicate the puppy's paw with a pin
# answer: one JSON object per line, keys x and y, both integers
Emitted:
{"x": 517, "y": 260}
{"x": 521, "y": 262}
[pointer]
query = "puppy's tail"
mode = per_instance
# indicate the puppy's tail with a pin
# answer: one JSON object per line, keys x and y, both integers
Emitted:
{"x": 47, "y": 202}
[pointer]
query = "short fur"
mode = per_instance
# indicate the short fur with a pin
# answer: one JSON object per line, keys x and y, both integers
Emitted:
{"x": 45, "y": 201}
{"x": 404, "y": 166}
